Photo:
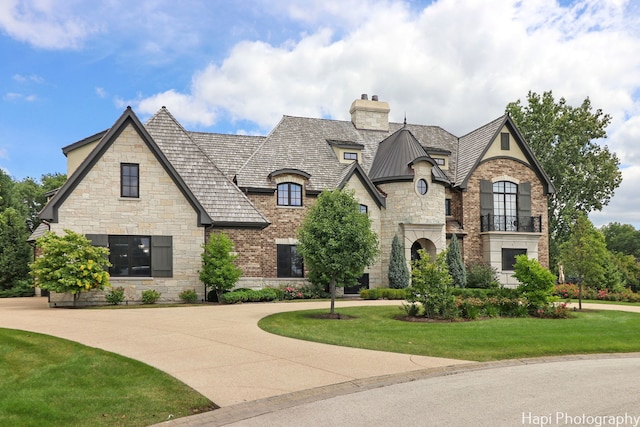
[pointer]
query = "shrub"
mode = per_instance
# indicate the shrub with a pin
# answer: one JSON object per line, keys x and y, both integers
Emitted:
{"x": 411, "y": 309}
{"x": 537, "y": 282}
{"x": 481, "y": 275}
{"x": 188, "y": 296}
{"x": 115, "y": 296}
{"x": 150, "y": 296}
{"x": 250, "y": 295}
{"x": 566, "y": 290}
{"x": 398, "y": 271}
{"x": 218, "y": 264}
{"x": 455, "y": 264}
{"x": 383, "y": 293}
{"x": 431, "y": 286}
{"x": 22, "y": 288}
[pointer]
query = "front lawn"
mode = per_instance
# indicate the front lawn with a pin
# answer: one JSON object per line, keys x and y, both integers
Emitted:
{"x": 47, "y": 381}
{"x": 493, "y": 339}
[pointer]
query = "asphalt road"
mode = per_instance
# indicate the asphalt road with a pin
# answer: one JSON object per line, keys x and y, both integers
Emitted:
{"x": 594, "y": 392}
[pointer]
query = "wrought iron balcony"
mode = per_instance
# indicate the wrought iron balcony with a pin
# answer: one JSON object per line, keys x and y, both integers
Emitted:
{"x": 520, "y": 224}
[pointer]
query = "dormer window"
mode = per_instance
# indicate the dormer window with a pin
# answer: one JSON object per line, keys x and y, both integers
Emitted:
{"x": 350, "y": 155}
{"x": 289, "y": 194}
{"x": 439, "y": 161}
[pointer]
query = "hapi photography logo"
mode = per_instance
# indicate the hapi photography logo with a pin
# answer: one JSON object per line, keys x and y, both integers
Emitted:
{"x": 565, "y": 419}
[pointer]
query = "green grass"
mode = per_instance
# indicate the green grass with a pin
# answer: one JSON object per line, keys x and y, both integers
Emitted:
{"x": 493, "y": 339}
{"x": 47, "y": 381}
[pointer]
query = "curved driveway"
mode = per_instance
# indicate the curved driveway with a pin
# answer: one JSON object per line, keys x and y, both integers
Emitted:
{"x": 220, "y": 351}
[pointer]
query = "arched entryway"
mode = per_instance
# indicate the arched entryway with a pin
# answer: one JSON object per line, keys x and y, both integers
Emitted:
{"x": 425, "y": 244}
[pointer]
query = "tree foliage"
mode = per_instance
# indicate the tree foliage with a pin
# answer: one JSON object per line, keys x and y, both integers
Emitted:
{"x": 536, "y": 282}
{"x": 565, "y": 141}
{"x": 431, "y": 286}
{"x": 455, "y": 264}
{"x": 218, "y": 264}
{"x": 335, "y": 238}
{"x": 15, "y": 252}
{"x": 584, "y": 254}
{"x": 622, "y": 238}
{"x": 398, "y": 271}
{"x": 70, "y": 264}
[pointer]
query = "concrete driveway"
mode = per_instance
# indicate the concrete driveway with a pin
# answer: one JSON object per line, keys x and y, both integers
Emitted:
{"x": 216, "y": 349}
{"x": 262, "y": 379}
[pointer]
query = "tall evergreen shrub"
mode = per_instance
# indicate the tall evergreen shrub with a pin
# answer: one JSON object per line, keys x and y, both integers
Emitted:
{"x": 455, "y": 264}
{"x": 398, "y": 271}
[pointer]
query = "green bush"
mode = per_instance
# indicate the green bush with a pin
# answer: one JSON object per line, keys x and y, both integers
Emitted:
{"x": 22, "y": 288}
{"x": 251, "y": 295}
{"x": 481, "y": 275}
{"x": 115, "y": 296}
{"x": 537, "y": 283}
{"x": 150, "y": 296}
{"x": 383, "y": 293}
{"x": 188, "y": 296}
{"x": 431, "y": 286}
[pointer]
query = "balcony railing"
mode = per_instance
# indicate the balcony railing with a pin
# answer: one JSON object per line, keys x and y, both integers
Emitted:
{"x": 521, "y": 224}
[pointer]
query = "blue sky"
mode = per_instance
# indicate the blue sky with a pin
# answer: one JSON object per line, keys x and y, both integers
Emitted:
{"x": 68, "y": 68}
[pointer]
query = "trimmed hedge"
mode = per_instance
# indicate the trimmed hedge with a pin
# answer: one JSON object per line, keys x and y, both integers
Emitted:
{"x": 251, "y": 295}
{"x": 383, "y": 293}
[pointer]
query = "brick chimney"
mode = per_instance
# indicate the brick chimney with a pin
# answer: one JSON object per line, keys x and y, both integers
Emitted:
{"x": 370, "y": 115}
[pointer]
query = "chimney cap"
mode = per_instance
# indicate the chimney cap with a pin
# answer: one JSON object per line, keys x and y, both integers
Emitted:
{"x": 364, "y": 96}
{"x": 374, "y": 97}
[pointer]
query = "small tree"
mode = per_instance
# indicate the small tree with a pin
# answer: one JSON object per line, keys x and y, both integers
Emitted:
{"x": 336, "y": 239}
{"x": 71, "y": 264}
{"x": 218, "y": 268}
{"x": 431, "y": 286}
{"x": 455, "y": 264}
{"x": 583, "y": 254}
{"x": 536, "y": 282}
{"x": 398, "y": 271}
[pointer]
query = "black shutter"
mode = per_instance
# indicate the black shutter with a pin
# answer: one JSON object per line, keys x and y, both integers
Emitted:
{"x": 524, "y": 199}
{"x": 162, "y": 256}
{"x": 486, "y": 197}
{"x": 101, "y": 240}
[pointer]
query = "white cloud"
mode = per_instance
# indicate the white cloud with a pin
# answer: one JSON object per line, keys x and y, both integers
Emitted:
{"x": 101, "y": 92}
{"x": 31, "y": 78}
{"x": 44, "y": 23}
{"x": 4, "y": 154}
{"x": 15, "y": 96}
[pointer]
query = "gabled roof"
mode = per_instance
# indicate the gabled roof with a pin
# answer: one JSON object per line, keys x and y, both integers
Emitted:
{"x": 88, "y": 140}
{"x": 474, "y": 145}
{"x": 223, "y": 201}
{"x": 355, "y": 169}
{"x": 50, "y": 211}
{"x": 229, "y": 152}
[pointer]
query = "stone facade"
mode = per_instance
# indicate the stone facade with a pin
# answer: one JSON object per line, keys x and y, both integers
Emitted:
{"x": 95, "y": 207}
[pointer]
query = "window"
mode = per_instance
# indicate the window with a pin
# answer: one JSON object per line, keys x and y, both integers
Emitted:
{"x": 439, "y": 161}
{"x": 130, "y": 256}
{"x": 289, "y": 194}
{"x": 422, "y": 186}
{"x": 348, "y": 155}
{"x": 364, "y": 209}
{"x": 505, "y": 209}
{"x": 137, "y": 256}
{"x": 504, "y": 141}
{"x": 129, "y": 180}
{"x": 289, "y": 262}
{"x": 509, "y": 258}
{"x": 447, "y": 207}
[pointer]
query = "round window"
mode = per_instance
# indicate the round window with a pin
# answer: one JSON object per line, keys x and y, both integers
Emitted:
{"x": 422, "y": 187}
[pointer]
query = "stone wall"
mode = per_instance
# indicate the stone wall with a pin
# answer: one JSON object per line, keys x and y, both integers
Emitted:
{"x": 503, "y": 168}
{"x": 95, "y": 207}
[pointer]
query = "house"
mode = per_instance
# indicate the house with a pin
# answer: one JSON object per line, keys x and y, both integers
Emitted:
{"x": 154, "y": 192}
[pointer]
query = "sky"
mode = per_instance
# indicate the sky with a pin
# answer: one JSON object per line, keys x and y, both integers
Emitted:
{"x": 69, "y": 68}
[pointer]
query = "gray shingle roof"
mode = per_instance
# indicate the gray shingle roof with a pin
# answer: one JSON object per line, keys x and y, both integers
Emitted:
{"x": 229, "y": 152}
{"x": 472, "y": 146}
{"x": 305, "y": 144}
{"x": 223, "y": 201}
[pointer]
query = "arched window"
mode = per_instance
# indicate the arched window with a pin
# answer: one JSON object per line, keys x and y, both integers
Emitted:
{"x": 505, "y": 208}
{"x": 289, "y": 194}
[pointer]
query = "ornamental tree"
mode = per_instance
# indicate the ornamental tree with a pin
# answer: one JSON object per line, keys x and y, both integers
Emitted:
{"x": 398, "y": 271}
{"x": 335, "y": 238}
{"x": 218, "y": 268}
{"x": 584, "y": 253}
{"x": 15, "y": 252}
{"x": 537, "y": 283}
{"x": 431, "y": 286}
{"x": 70, "y": 264}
